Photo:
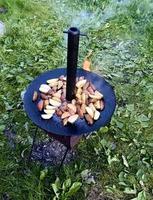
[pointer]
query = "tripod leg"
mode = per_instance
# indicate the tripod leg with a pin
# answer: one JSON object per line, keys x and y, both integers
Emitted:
{"x": 64, "y": 157}
{"x": 34, "y": 139}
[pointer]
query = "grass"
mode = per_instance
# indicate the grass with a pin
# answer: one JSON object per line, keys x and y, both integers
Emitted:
{"x": 119, "y": 156}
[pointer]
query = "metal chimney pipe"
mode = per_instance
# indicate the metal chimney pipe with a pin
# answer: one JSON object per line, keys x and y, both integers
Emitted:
{"x": 72, "y": 59}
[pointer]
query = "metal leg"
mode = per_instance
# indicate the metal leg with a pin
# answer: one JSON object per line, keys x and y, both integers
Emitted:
{"x": 64, "y": 157}
{"x": 34, "y": 139}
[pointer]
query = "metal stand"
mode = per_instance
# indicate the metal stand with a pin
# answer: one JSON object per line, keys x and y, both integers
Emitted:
{"x": 68, "y": 141}
{"x": 34, "y": 139}
{"x": 63, "y": 158}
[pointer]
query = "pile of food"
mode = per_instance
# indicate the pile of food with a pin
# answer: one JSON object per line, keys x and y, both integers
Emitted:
{"x": 51, "y": 99}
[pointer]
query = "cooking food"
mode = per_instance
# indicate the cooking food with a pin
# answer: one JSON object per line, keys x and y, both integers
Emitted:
{"x": 51, "y": 100}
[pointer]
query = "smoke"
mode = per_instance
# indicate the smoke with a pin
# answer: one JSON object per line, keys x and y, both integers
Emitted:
{"x": 85, "y": 19}
{"x": 124, "y": 52}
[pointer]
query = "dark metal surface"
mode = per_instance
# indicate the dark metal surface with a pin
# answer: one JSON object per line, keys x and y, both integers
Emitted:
{"x": 72, "y": 59}
{"x": 68, "y": 141}
{"x": 54, "y": 125}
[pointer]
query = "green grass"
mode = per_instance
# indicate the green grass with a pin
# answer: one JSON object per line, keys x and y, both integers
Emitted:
{"x": 119, "y": 156}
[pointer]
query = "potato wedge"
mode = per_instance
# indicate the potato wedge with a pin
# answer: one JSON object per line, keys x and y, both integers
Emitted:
{"x": 73, "y": 118}
{"x": 46, "y": 116}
